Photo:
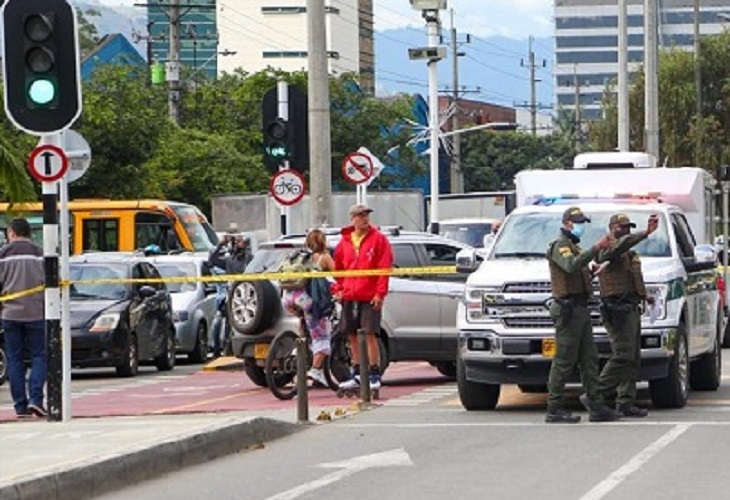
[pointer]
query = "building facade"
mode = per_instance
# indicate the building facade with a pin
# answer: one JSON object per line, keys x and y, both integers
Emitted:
{"x": 273, "y": 33}
{"x": 586, "y": 43}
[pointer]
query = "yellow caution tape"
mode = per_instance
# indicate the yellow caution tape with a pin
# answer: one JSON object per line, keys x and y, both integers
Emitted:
{"x": 399, "y": 271}
{"x": 22, "y": 293}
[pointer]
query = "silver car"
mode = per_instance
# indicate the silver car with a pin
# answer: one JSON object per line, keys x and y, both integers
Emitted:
{"x": 419, "y": 313}
{"x": 193, "y": 303}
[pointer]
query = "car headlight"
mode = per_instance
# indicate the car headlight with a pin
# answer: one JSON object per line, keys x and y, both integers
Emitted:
{"x": 657, "y": 310}
{"x": 180, "y": 316}
{"x": 474, "y": 301}
{"x": 105, "y": 322}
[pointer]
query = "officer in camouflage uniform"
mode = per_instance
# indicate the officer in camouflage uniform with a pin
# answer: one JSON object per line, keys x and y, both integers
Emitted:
{"x": 571, "y": 286}
{"x": 622, "y": 291}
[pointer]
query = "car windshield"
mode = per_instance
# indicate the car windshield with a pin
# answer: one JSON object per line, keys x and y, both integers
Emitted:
{"x": 470, "y": 233}
{"x": 529, "y": 234}
{"x": 84, "y": 279}
{"x": 268, "y": 259}
{"x": 178, "y": 270}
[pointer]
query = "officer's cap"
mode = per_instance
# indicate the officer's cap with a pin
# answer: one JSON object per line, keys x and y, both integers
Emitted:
{"x": 621, "y": 220}
{"x": 575, "y": 214}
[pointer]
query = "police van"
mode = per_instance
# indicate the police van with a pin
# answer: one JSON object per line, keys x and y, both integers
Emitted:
{"x": 506, "y": 335}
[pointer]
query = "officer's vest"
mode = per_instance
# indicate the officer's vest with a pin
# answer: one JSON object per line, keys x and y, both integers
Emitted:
{"x": 565, "y": 284}
{"x": 623, "y": 277}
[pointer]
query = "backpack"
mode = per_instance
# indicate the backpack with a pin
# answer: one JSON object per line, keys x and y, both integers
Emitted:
{"x": 298, "y": 261}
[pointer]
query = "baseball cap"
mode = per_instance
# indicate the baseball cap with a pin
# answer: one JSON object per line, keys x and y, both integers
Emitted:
{"x": 575, "y": 214}
{"x": 621, "y": 219}
{"x": 359, "y": 208}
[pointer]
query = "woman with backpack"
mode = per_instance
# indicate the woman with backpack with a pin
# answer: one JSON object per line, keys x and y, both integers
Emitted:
{"x": 303, "y": 302}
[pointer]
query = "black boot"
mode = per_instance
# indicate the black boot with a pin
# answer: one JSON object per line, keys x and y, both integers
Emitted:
{"x": 632, "y": 411}
{"x": 561, "y": 416}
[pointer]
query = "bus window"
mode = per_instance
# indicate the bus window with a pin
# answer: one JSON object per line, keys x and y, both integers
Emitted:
{"x": 199, "y": 231}
{"x": 100, "y": 234}
{"x": 155, "y": 229}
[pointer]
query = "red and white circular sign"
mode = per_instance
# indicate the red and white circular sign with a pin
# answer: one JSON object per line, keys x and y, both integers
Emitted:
{"x": 287, "y": 187}
{"x": 47, "y": 163}
{"x": 357, "y": 168}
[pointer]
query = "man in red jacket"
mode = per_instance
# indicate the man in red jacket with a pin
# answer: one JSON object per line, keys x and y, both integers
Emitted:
{"x": 362, "y": 246}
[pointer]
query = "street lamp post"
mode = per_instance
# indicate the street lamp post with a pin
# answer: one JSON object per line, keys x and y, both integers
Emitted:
{"x": 434, "y": 53}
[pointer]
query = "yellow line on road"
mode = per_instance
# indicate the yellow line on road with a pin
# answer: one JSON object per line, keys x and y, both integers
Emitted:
{"x": 208, "y": 401}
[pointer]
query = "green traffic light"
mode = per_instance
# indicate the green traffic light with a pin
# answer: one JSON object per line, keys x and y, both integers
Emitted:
{"x": 41, "y": 91}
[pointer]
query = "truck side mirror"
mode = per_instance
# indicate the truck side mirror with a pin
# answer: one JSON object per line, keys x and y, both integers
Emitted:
{"x": 705, "y": 253}
{"x": 467, "y": 261}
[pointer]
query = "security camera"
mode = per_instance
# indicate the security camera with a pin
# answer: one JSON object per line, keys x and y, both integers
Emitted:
{"x": 430, "y": 53}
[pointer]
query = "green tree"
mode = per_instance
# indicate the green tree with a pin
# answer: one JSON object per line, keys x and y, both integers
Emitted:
{"x": 491, "y": 159}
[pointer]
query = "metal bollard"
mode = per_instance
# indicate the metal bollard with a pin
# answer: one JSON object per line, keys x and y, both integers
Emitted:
{"x": 302, "y": 396}
{"x": 362, "y": 342}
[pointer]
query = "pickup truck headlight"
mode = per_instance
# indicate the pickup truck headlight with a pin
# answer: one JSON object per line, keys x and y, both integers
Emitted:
{"x": 475, "y": 301}
{"x": 658, "y": 310}
{"x": 105, "y": 322}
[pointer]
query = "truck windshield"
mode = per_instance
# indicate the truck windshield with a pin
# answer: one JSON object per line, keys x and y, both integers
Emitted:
{"x": 529, "y": 234}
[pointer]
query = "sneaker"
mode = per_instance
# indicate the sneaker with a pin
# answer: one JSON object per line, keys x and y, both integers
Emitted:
{"x": 24, "y": 414}
{"x": 632, "y": 411}
{"x": 317, "y": 375}
{"x": 561, "y": 416}
{"x": 602, "y": 413}
{"x": 37, "y": 410}
{"x": 374, "y": 381}
{"x": 351, "y": 384}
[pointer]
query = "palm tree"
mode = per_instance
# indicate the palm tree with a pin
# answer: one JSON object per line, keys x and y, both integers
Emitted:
{"x": 15, "y": 184}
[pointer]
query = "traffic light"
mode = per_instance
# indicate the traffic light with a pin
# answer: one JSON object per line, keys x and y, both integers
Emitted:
{"x": 286, "y": 140}
{"x": 40, "y": 65}
{"x": 278, "y": 145}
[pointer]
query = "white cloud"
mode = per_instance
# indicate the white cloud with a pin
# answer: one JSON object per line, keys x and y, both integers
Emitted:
{"x": 511, "y": 18}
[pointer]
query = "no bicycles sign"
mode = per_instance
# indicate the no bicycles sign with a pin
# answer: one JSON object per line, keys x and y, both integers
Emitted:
{"x": 287, "y": 187}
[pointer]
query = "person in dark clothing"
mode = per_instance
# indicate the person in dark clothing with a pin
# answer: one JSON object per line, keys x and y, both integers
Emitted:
{"x": 23, "y": 318}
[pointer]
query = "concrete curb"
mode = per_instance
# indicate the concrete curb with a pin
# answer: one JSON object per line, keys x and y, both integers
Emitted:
{"x": 226, "y": 363}
{"x": 109, "y": 473}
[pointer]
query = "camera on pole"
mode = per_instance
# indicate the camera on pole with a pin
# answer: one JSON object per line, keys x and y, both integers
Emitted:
{"x": 40, "y": 65}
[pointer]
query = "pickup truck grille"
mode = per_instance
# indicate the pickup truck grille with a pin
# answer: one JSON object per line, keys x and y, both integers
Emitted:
{"x": 524, "y": 313}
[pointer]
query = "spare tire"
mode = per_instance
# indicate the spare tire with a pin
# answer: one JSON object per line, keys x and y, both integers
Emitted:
{"x": 252, "y": 306}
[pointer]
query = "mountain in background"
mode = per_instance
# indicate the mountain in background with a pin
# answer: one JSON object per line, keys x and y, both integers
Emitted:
{"x": 493, "y": 69}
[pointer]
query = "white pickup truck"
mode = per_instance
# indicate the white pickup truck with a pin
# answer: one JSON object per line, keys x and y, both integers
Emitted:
{"x": 505, "y": 331}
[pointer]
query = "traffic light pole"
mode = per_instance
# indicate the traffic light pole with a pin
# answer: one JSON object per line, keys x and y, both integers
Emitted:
{"x": 52, "y": 308}
{"x": 282, "y": 97}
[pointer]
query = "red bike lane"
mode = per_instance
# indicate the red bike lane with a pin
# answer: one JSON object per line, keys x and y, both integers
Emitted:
{"x": 224, "y": 391}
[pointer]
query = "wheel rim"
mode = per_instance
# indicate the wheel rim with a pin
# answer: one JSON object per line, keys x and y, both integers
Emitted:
{"x": 132, "y": 360}
{"x": 244, "y": 301}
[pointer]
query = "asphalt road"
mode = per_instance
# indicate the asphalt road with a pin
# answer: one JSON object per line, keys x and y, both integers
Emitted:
{"x": 425, "y": 445}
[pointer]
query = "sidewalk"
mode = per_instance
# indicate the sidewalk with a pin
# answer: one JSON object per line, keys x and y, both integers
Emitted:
{"x": 88, "y": 456}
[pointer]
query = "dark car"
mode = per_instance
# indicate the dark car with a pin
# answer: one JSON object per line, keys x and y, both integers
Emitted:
{"x": 119, "y": 324}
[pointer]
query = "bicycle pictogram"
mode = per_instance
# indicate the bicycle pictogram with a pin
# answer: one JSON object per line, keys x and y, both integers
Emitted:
{"x": 287, "y": 187}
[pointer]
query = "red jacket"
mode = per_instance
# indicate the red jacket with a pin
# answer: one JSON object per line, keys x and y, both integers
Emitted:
{"x": 375, "y": 253}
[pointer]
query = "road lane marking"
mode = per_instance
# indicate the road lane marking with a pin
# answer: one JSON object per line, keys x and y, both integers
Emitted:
{"x": 386, "y": 459}
{"x": 189, "y": 406}
{"x": 619, "y": 475}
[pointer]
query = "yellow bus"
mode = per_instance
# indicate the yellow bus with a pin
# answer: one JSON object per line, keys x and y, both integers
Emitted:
{"x": 123, "y": 225}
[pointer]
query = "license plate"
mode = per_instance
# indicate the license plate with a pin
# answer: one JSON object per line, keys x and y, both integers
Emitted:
{"x": 548, "y": 347}
{"x": 260, "y": 351}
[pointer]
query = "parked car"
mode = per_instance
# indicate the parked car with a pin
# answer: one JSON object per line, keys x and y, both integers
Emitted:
{"x": 193, "y": 303}
{"x": 419, "y": 315}
{"x": 119, "y": 324}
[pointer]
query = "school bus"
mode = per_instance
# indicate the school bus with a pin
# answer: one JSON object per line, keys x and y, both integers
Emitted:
{"x": 122, "y": 225}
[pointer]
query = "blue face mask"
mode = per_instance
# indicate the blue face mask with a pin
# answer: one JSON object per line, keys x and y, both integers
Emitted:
{"x": 578, "y": 229}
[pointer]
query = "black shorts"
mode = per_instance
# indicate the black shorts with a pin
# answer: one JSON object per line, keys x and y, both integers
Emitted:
{"x": 356, "y": 315}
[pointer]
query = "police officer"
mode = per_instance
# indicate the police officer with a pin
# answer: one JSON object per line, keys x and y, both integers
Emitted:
{"x": 571, "y": 285}
{"x": 622, "y": 291}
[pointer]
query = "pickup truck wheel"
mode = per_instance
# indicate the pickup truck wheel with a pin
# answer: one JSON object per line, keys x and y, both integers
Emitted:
{"x": 252, "y": 306}
{"x": 473, "y": 395}
{"x": 256, "y": 373}
{"x": 705, "y": 373}
{"x": 671, "y": 392}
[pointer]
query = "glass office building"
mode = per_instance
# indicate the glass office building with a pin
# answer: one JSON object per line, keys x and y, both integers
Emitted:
{"x": 586, "y": 43}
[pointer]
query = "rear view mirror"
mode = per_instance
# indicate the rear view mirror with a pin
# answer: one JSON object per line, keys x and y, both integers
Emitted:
{"x": 467, "y": 261}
